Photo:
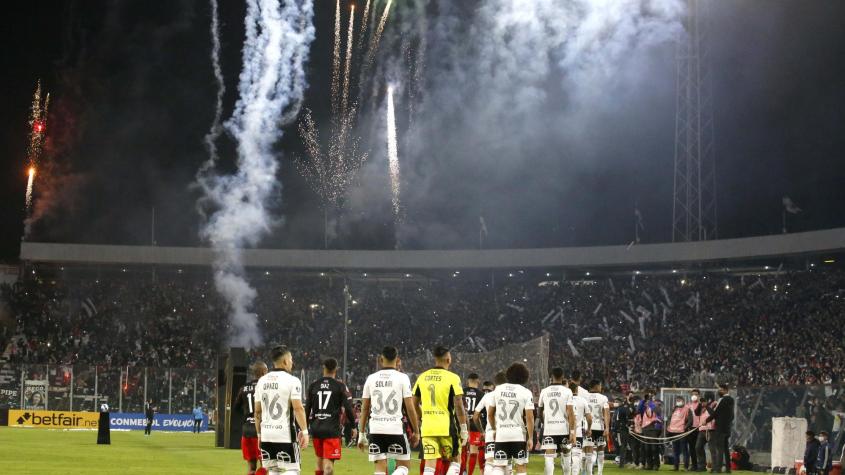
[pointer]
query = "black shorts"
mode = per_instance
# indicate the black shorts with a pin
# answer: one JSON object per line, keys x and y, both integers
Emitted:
{"x": 507, "y": 451}
{"x": 280, "y": 455}
{"x": 597, "y": 438}
{"x": 559, "y": 443}
{"x": 385, "y": 446}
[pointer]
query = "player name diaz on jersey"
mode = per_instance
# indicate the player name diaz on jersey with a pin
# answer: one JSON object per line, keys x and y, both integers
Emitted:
{"x": 511, "y": 401}
{"x": 275, "y": 390}
{"x": 386, "y": 390}
{"x": 326, "y": 397}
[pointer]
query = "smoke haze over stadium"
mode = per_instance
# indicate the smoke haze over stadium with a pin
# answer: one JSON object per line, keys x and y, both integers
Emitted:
{"x": 551, "y": 133}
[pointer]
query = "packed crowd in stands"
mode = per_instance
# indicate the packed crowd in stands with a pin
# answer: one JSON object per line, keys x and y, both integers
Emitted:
{"x": 636, "y": 331}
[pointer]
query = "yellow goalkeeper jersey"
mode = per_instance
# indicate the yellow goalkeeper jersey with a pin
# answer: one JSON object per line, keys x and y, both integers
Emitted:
{"x": 436, "y": 389}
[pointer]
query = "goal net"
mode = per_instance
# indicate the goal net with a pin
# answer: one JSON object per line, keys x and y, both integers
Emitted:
{"x": 533, "y": 353}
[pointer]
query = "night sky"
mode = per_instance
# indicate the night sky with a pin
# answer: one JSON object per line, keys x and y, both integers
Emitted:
{"x": 133, "y": 96}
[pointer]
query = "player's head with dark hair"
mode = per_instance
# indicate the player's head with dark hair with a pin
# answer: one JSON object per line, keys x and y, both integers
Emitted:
{"x": 517, "y": 373}
{"x": 487, "y": 386}
{"x": 442, "y": 357}
{"x": 557, "y": 375}
{"x": 473, "y": 380}
{"x": 500, "y": 378}
{"x": 595, "y": 386}
{"x": 282, "y": 358}
{"x": 329, "y": 367}
{"x": 259, "y": 369}
{"x": 573, "y": 386}
{"x": 575, "y": 377}
{"x": 389, "y": 357}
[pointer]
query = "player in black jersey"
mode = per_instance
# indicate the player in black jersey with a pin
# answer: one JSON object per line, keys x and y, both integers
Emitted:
{"x": 245, "y": 404}
{"x": 469, "y": 455}
{"x": 326, "y": 397}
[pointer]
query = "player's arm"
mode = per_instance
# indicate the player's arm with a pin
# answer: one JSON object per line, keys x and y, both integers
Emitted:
{"x": 476, "y": 416}
{"x": 309, "y": 402}
{"x": 589, "y": 416}
{"x": 346, "y": 398}
{"x": 411, "y": 410}
{"x": 529, "y": 424}
{"x": 363, "y": 420}
{"x": 570, "y": 418}
{"x": 491, "y": 413}
{"x": 256, "y": 413}
{"x": 606, "y": 411}
{"x": 301, "y": 421}
{"x": 418, "y": 402}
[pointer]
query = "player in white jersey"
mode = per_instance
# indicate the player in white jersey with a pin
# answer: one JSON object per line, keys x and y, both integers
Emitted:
{"x": 278, "y": 401}
{"x": 600, "y": 428}
{"x": 587, "y": 443}
{"x": 512, "y": 417}
{"x": 480, "y": 418}
{"x": 558, "y": 421}
{"x": 583, "y": 420}
{"x": 385, "y": 392}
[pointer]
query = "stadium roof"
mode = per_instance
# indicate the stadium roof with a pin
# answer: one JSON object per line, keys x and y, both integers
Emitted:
{"x": 781, "y": 245}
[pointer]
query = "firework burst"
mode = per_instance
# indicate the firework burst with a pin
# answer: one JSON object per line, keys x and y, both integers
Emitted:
{"x": 37, "y": 134}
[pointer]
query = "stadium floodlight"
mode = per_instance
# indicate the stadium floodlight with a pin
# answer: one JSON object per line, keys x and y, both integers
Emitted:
{"x": 588, "y": 274}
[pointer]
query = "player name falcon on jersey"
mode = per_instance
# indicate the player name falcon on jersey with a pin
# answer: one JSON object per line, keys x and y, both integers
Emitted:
{"x": 554, "y": 400}
{"x": 245, "y": 403}
{"x": 387, "y": 390}
{"x": 511, "y": 401}
{"x": 598, "y": 403}
{"x": 276, "y": 390}
{"x": 326, "y": 397}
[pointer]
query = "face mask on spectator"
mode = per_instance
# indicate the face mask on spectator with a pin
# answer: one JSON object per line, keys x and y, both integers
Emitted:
{"x": 822, "y": 438}
{"x": 694, "y": 398}
{"x": 679, "y": 403}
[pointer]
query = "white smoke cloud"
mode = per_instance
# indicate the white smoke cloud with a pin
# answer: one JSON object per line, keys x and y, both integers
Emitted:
{"x": 271, "y": 87}
{"x": 510, "y": 89}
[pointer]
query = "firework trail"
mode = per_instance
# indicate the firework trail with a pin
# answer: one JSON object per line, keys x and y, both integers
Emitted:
{"x": 348, "y": 65}
{"x": 30, "y": 183}
{"x": 364, "y": 23}
{"x": 336, "y": 61}
{"x": 216, "y": 127}
{"x": 272, "y": 82}
{"x": 393, "y": 153}
{"x": 372, "y": 49}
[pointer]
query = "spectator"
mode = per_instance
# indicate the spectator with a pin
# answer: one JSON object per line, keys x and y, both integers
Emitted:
{"x": 811, "y": 453}
{"x": 825, "y": 459}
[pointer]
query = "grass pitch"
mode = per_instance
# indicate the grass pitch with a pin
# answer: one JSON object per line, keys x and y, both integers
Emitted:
{"x": 42, "y": 451}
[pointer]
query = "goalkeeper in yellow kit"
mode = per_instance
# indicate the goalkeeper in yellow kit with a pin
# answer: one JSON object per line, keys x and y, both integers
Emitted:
{"x": 439, "y": 396}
